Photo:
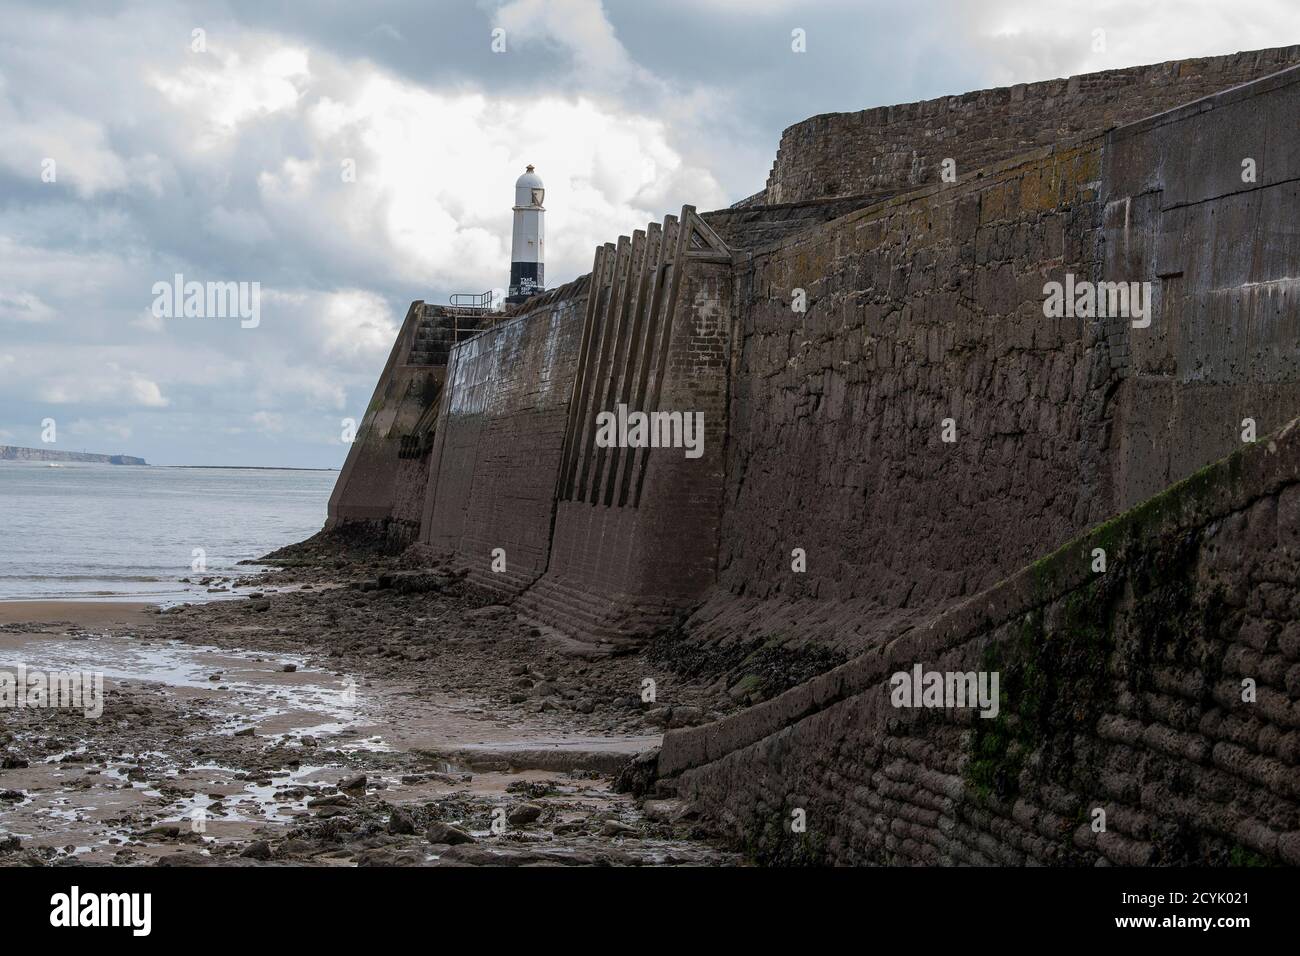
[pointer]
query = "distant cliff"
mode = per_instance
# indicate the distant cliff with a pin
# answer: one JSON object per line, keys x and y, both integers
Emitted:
{"x": 14, "y": 453}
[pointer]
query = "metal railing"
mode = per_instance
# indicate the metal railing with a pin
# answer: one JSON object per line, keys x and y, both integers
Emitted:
{"x": 472, "y": 300}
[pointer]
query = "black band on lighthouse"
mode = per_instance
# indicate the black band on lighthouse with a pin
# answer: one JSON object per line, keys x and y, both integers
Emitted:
{"x": 526, "y": 278}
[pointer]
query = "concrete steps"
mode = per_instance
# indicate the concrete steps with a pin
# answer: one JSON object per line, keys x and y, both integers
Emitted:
{"x": 618, "y": 620}
{"x": 441, "y": 328}
{"x": 507, "y": 584}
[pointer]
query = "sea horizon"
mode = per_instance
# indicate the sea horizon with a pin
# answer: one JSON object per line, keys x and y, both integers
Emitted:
{"x": 86, "y": 531}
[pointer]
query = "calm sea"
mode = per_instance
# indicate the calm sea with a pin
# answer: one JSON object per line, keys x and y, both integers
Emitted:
{"x": 84, "y": 530}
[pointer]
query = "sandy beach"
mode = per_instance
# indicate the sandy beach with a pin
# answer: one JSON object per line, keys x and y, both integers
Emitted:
{"x": 81, "y": 613}
{"x": 374, "y": 715}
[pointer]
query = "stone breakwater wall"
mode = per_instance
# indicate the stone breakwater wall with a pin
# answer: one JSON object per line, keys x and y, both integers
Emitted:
{"x": 917, "y": 310}
{"x": 881, "y": 390}
{"x": 901, "y": 147}
{"x": 523, "y": 492}
{"x": 636, "y": 528}
{"x": 1219, "y": 244}
{"x": 895, "y": 433}
{"x": 377, "y": 489}
{"x": 1149, "y": 713}
{"x": 929, "y": 307}
{"x": 498, "y": 440}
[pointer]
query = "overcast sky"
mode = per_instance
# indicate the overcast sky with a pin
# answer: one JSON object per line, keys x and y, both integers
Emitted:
{"x": 133, "y": 148}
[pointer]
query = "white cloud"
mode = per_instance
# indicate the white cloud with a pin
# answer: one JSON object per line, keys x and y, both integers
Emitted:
{"x": 432, "y": 208}
{"x": 1029, "y": 40}
{"x": 271, "y": 423}
{"x": 36, "y": 280}
{"x": 356, "y": 323}
{"x": 311, "y": 386}
{"x": 223, "y": 88}
{"x": 238, "y": 225}
{"x": 23, "y": 307}
{"x": 78, "y": 147}
{"x": 112, "y": 429}
{"x": 147, "y": 321}
{"x": 581, "y": 28}
{"x": 111, "y": 386}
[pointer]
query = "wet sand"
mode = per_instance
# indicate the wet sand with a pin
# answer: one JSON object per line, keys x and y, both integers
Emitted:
{"x": 75, "y": 612}
{"x": 331, "y": 723}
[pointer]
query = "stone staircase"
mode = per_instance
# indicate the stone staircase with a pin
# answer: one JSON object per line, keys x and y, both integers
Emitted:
{"x": 506, "y": 584}
{"x": 443, "y": 326}
{"x": 616, "y": 621}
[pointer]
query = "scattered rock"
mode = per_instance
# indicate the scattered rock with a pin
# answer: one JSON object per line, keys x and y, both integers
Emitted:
{"x": 685, "y": 716}
{"x": 258, "y": 850}
{"x": 445, "y": 833}
{"x": 401, "y": 821}
{"x": 333, "y": 800}
{"x": 523, "y": 813}
{"x": 665, "y": 811}
{"x": 615, "y": 828}
{"x": 352, "y": 784}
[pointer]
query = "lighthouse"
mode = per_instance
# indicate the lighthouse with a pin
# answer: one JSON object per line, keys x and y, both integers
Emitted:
{"x": 526, "y": 260}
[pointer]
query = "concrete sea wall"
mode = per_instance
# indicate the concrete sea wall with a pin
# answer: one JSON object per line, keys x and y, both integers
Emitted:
{"x": 496, "y": 457}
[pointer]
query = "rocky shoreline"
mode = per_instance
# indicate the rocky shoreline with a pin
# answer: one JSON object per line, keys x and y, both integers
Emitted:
{"x": 353, "y": 708}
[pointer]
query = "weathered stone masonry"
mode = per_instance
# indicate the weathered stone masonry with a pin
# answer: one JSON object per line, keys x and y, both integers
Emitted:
{"x": 929, "y": 306}
{"x": 895, "y": 148}
{"x": 1121, "y": 691}
{"x": 823, "y": 432}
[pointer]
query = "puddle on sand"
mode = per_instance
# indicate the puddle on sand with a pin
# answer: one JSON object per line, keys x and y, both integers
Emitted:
{"x": 263, "y": 689}
{"x": 102, "y": 786}
{"x": 171, "y": 748}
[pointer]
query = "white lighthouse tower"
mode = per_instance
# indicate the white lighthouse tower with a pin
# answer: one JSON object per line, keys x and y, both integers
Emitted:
{"x": 526, "y": 259}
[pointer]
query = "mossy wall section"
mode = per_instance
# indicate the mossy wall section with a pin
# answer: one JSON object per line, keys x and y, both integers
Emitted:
{"x": 1164, "y": 691}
